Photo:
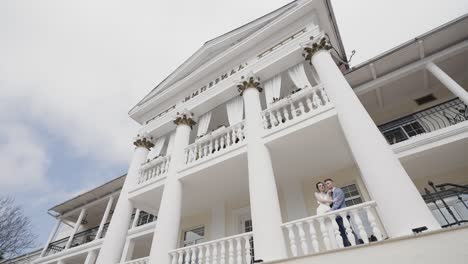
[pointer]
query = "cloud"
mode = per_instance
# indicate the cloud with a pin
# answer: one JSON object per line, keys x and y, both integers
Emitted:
{"x": 23, "y": 159}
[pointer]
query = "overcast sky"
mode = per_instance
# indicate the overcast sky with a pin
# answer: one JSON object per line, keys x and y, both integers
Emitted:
{"x": 71, "y": 70}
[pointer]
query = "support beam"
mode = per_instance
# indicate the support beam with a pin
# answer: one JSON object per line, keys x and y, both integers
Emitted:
{"x": 411, "y": 68}
{"x": 51, "y": 237}
{"x": 448, "y": 82}
{"x": 75, "y": 229}
{"x": 135, "y": 219}
{"x": 104, "y": 217}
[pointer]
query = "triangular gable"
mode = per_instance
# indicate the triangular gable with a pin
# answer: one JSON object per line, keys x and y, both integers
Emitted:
{"x": 214, "y": 47}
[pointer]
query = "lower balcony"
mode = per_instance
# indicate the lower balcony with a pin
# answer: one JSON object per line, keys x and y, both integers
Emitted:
{"x": 79, "y": 239}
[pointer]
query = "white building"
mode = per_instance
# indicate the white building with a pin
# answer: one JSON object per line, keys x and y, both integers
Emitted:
{"x": 233, "y": 142}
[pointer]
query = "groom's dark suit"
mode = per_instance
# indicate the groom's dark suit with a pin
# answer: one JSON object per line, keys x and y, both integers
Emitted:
{"x": 339, "y": 202}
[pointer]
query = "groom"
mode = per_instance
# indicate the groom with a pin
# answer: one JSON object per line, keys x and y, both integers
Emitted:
{"x": 338, "y": 202}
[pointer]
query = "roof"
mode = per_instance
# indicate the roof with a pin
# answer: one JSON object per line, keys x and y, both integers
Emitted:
{"x": 428, "y": 43}
{"x": 89, "y": 196}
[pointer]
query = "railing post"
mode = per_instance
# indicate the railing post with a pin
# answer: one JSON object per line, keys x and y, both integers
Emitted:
{"x": 136, "y": 218}
{"x": 104, "y": 217}
{"x": 75, "y": 229}
{"x": 51, "y": 237}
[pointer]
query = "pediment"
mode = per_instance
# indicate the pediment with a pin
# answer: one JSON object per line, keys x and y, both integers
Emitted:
{"x": 215, "y": 47}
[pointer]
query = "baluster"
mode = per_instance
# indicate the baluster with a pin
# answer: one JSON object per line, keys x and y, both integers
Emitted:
{"x": 315, "y": 99}
{"x": 373, "y": 222}
{"x": 187, "y": 256}
{"x": 221, "y": 142}
{"x": 205, "y": 149}
{"x": 231, "y": 251}
{"x": 279, "y": 116}
{"x": 265, "y": 120}
{"x": 207, "y": 254}
{"x": 222, "y": 255}
{"x": 194, "y": 256}
{"x": 301, "y": 107}
{"x": 200, "y": 255}
{"x": 181, "y": 257}
{"x": 286, "y": 114}
{"x": 292, "y": 240}
{"x": 228, "y": 137}
{"x": 215, "y": 253}
{"x": 360, "y": 226}
{"x": 239, "y": 250}
{"x": 293, "y": 110}
{"x": 302, "y": 238}
{"x": 158, "y": 170}
{"x": 273, "y": 118}
{"x": 324, "y": 95}
{"x": 211, "y": 146}
{"x": 336, "y": 230}
{"x": 186, "y": 156}
{"x": 217, "y": 145}
{"x": 247, "y": 249}
{"x": 309, "y": 102}
{"x": 168, "y": 160}
{"x": 349, "y": 231}
{"x": 313, "y": 236}
{"x": 174, "y": 257}
{"x": 324, "y": 231}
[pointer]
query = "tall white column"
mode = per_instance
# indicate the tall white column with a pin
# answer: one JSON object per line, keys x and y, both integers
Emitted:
{"x": 91, "y": 257}
{"x": 294, "y": 200}
{"x": 51, "y": 236}
{"x": 135, "y": 218}
{"x": 104, "y": 217}
{"x": 264, "y": 203}
{"x": 167, "y": 226}
{"x": 448, "y": 82}
{"x": 116, "y": 234}
{"x": 76, "y": 227}
{"x": 400, "y": 205}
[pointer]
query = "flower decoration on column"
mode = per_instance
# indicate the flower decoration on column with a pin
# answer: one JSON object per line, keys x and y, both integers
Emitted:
{"x": 185, "y": 117}
{"x": 249, "y": 81}
{"x": 313, "y": 46}
{"x": 144, "y": 140}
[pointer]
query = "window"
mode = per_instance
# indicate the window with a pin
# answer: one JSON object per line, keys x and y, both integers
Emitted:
{"x": 403, "y": 132}
{"x": 193, "y": 236}
{"x": 352, "y": 195}
{"x": 248, "y": 225}
{"x": 145, "y": 218}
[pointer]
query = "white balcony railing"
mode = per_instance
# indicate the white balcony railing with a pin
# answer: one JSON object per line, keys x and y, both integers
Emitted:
{"x": 298, "y": 104}
{"x": 303, "y": 238}
{"x": 235, "y": 249}
{"x": 144, "y": 260}
{"x": 221, "y": 139}
{"x": 154, "y": 168}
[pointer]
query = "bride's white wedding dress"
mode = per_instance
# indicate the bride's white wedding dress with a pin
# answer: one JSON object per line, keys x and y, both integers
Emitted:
{"x": 324, "y": 201}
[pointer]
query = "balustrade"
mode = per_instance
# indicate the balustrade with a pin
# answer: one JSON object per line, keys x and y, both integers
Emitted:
{"x": 437, "y": 117}
{"x": 154, "y": 168}
{"x": 144, "y": 260}
{"x": 298, "y": 104}
{"x": 229, "y": 250}
{"x": 79, "y": 239}
{"x": 217, "y": 141}
{"x": 321, "y": 232}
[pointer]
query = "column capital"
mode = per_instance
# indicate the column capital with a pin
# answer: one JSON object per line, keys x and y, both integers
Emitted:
{"x": 185, "y": 117}
{"x": 249, "y": 81}
{"x": 144, "y": 140}
{"x": 315, "y": 45}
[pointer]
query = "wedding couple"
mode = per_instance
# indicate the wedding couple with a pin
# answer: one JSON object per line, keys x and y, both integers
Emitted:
{"x": 331, "y": 198}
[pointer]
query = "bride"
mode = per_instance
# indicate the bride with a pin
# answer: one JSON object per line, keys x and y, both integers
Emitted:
{"x": 324, "y": 201}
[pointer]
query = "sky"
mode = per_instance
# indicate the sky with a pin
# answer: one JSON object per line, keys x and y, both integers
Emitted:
{"x": 71, "y": 70}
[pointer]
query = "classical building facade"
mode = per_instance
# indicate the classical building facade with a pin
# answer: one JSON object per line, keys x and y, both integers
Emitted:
{"x": 233, "y": 142}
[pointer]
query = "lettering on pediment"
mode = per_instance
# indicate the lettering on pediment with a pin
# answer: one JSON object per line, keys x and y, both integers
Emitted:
{"x": 214, "y": 82}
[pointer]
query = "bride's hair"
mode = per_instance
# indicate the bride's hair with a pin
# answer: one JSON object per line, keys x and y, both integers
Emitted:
{"x": 317, "y": 184}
